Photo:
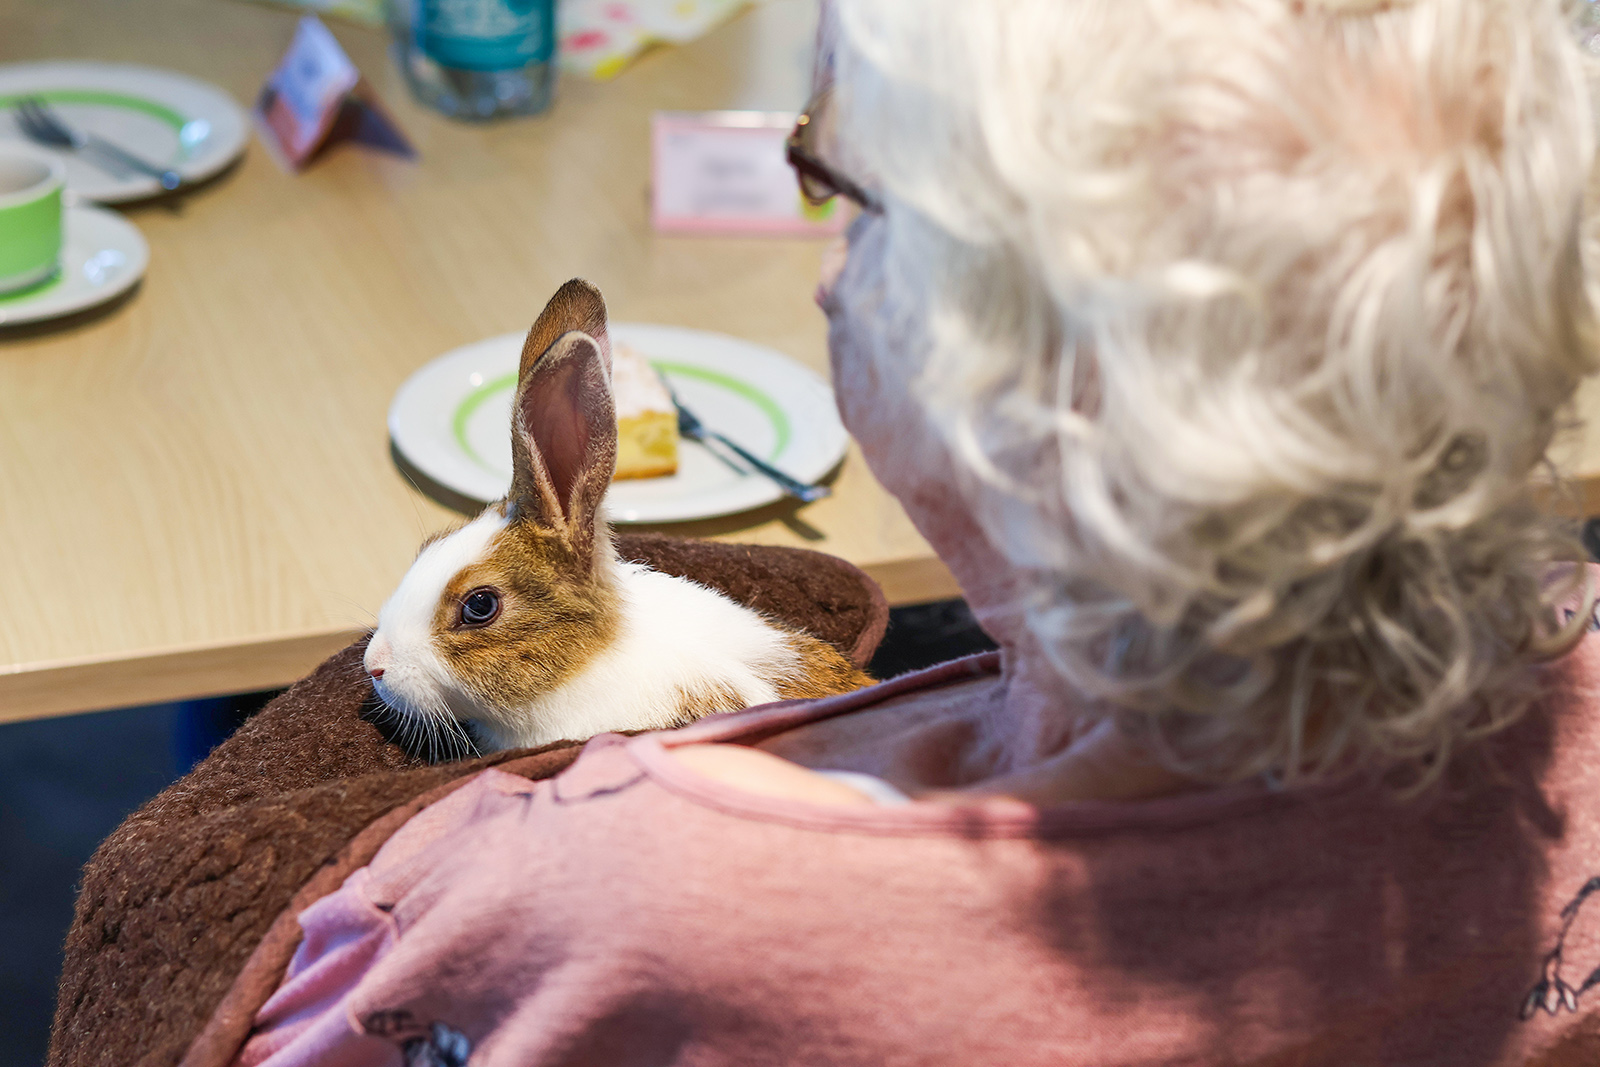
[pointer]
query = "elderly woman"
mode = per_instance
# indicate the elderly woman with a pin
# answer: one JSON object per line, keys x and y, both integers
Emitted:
{"x": 1214, "y": 344}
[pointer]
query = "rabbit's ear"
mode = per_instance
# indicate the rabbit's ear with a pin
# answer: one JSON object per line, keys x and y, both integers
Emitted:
{"x": 563, "y": 442}
{"x": 577, "y": 305}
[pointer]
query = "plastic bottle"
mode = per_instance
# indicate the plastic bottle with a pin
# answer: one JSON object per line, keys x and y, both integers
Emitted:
{"x": 478, "y": 59}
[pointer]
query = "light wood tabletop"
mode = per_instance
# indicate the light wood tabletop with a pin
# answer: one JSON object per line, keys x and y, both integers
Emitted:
{"x": 197, "y": 494}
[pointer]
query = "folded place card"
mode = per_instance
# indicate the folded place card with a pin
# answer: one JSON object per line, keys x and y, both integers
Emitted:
{"x": 316, "y": 96}
{"x": 726, "y": 172}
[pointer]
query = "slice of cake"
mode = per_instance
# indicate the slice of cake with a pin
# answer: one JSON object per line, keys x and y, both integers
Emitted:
{"x": 647, "y": 424}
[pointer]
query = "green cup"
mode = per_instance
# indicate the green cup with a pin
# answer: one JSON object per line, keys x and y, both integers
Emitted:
{"x": 30, "y": 216}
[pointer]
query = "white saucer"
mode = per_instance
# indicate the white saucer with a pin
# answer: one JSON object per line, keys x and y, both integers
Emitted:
{"x": 102, "y": 256}
{"x": 452, "y": 421}
{"x": 160, "y": 115}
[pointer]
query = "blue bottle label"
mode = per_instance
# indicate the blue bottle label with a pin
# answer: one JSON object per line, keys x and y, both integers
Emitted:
{"x": 486, "y": 34}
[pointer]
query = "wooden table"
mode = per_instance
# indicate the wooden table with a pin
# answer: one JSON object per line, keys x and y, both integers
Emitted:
{"x": 196, "y": 490}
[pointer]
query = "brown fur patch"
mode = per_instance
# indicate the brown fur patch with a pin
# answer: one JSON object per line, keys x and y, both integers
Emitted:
{"x": 556, "y": 614}
{"x": 824, "y": 671}
{"x": 706, "y": 700}
{"x": 577, "y": 305}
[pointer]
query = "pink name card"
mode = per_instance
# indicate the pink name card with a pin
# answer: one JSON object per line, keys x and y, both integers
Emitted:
{"x": 724, "y": 172}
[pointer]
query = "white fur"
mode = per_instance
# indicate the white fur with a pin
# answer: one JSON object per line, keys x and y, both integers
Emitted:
{"x": 674, "y": 637}
{"x": 415, "y": 677}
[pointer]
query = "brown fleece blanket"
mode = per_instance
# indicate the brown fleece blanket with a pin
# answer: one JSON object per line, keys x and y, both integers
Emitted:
{"x": 185, "y": 920}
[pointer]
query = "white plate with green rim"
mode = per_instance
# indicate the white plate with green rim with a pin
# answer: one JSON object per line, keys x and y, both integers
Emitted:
{"x": 452, "y": 421}
{"x": 102, "y": 256}
{"x": 167, "y": 118}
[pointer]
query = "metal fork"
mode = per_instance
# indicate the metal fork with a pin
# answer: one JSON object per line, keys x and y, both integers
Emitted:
{"x": 691, "y": 427}
{"x": 41, "y": 124}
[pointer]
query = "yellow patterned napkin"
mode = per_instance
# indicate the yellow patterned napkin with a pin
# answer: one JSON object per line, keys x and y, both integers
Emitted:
{"x": 600, "y": 37}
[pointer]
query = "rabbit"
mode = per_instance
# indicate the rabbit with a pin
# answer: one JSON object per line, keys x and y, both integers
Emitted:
{"x": 526, "y": 625}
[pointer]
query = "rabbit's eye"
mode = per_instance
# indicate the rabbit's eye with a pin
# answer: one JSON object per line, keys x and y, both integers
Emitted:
{"x": 479, "y": 607}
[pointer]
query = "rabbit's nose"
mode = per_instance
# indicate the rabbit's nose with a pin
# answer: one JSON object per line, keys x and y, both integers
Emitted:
{"x": 376, "y": 657}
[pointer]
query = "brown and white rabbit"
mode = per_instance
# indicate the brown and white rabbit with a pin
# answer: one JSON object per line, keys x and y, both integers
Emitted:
{"x": 524, "y": 622}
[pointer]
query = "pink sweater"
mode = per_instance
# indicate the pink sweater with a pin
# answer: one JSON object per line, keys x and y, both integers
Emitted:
{"x": 633, "y": 912}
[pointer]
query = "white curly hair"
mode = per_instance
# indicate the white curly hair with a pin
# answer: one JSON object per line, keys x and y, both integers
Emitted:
{"x": 1250, "y": 324}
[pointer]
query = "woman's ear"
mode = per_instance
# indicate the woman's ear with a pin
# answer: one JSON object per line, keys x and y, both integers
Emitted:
{"x": 563, "y": 441}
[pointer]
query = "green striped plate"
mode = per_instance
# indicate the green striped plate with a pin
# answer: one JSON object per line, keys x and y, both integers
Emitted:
{"x": 451, "y": 420}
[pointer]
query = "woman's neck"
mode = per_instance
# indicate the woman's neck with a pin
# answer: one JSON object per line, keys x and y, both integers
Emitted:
{"x": 1012, "y": 734}
{"x": 1048, "y": 747}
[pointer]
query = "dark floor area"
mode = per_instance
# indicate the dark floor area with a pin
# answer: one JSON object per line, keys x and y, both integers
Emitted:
{"x": 66, "y": 783}
{"x": 921, "y": 635}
